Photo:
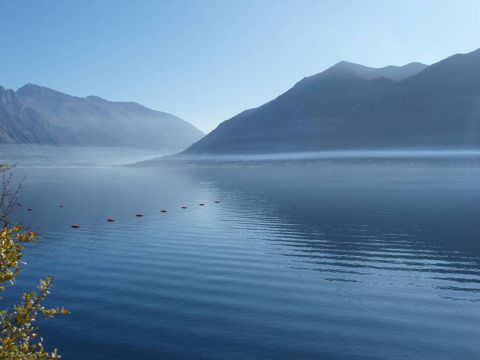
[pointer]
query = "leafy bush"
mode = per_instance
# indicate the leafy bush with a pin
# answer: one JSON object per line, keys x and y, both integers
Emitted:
{"x": 19, "y": 338}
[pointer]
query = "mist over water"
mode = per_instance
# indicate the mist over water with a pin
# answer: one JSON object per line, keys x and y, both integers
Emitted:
{"x": 331, "y": 260}
{"x": 321, "y": 156}
{"x": 27, "y": 155}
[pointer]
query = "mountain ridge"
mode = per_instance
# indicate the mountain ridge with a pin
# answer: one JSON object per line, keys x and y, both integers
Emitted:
{"x": 392, "y": 72}
{"x": 62, "y": 119}
{"x": 350, "y": 106}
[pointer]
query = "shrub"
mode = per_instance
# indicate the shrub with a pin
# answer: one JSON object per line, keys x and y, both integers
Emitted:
{"x": 19, "y": 338}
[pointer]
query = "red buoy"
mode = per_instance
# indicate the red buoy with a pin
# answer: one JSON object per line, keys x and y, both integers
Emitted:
{"x": 75, "y": 226}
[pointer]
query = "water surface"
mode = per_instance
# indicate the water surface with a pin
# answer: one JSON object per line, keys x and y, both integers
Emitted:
{"x": 323, "y": 260}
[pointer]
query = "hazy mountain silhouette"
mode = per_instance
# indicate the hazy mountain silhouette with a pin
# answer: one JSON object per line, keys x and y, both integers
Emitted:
{"x": 391, "y": 72}
{"x": 20, "y": 124}
{"x": 350, "y": 106}
{"x": 36, "y": 114}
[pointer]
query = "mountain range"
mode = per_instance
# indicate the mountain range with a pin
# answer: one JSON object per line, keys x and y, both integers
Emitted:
{"x": 350, "y": 107}
{"x": 346, "y": 107}
{"x": 39, "y": 115}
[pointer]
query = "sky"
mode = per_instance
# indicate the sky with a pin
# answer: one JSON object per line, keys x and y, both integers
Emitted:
{"x": 207, "y": 60}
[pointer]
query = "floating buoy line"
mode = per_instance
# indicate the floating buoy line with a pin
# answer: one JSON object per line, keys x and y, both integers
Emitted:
{"x": 110, "y": 219}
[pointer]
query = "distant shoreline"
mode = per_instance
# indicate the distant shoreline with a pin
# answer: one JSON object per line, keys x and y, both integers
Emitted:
{"x": 350, "y": 156}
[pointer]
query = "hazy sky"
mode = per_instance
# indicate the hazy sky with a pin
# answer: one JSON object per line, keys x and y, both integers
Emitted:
{"x": 205, "y": 61}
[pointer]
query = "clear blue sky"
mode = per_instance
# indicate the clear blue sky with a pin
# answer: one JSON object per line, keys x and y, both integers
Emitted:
{"x": 205, "y": 61}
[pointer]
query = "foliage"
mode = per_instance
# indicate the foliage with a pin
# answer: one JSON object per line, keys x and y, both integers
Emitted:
{"x": 19, "y": 338}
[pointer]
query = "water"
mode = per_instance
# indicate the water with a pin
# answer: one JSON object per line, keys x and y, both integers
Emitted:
{"x": 315, "y": 261}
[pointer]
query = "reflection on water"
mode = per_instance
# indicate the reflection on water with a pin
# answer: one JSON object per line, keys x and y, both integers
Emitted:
{"x": 317, "y": 261}
{"x": 351, "y": 222}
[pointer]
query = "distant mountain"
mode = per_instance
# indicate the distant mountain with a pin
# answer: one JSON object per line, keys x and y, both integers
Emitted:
{"x": 350, "y": 106}
{"x": 36, "y": 114}
{"x": 20, "y": 124}
{"x": 391, "y": 72}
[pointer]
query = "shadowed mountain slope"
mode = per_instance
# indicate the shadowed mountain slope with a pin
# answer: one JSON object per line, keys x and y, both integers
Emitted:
{"x": 350, "y": 106}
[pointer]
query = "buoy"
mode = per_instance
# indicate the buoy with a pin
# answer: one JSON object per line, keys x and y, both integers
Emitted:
{"x": 139, "y": 215}
{"x": 201, "y": 204}
{"x": 60, "y": 205}
{"x": 110, "y": 220}
{"x": 29, "y": 209}
{"x": 184, "y": 207}
{"x": 163, "y": 211}
{"x": 75, "y": 226}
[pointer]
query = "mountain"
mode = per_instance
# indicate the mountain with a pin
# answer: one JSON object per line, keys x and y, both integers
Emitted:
{"x": 20, "y": 124}
{"x": 350, "y": 106}
{"x": 391, "y": 72}
{"x": 36, "y": 114}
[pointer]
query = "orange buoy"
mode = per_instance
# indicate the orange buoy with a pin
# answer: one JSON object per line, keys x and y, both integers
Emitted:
{"x": 110, "y": 220}
{"x": 163, "y": 211}
{"x": 139, "y": 215}
{"x": 75, "y": 226}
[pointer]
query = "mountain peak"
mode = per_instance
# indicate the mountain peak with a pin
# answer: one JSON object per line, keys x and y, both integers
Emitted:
{"x": 347, "y": 65}
{"x": 30, "y": 87}
{"x": 33, "y": 90}
{"x": 392, "y": 72}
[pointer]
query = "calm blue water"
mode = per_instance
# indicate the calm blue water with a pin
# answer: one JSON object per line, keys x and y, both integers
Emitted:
{"x": 319, "y": 261}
